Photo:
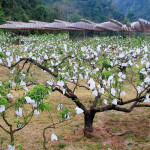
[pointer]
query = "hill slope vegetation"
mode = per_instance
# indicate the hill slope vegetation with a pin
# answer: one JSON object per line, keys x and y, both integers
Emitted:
{"x": 140, "y": 8}
{"x": 69, "y": 10}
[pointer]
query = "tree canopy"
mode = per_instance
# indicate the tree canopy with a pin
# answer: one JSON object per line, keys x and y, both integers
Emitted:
{"x": 40, "y": 13}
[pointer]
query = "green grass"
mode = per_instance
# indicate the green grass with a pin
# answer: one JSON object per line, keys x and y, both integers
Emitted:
{"x": 60, "y": 146}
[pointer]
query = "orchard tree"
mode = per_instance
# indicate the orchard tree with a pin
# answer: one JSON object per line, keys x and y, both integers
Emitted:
{"x": 25, "y": 107}
{"x": 107, "y": 67}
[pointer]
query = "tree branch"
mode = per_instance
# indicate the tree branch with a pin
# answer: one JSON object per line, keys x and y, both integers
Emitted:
{"x": 24, "y": 124}
{"x": 125, "y": 109}
{"x": 113, "y": 107}
{"x": 142, "y": 105}
{"x": 3, "y": 115}
{"x": 132, "y": 100}
{"x": 4, "y": 129}
{"x": 35, "y": 63}
{"x": 71, "y": 95}
{"x": 102, "y": 109}
{"x": 64, "y": 60}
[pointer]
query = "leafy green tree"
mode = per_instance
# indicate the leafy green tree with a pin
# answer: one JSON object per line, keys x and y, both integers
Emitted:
{"x": 118, "y": 16}
{"x": 2, "y": 16}
{"x": 52, "y": 13}
{"x": 20, "y": 15}
{"x": 131, "y": 16}
{"x": 40, "y": 13}
{"x": 74, "y": 17}
{"x": 8, "y": 7}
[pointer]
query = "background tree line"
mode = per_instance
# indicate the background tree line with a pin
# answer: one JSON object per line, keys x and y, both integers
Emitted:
{"x": 134, "y": 9}
{"x": 48, "y": 10}
{"x": 72, "y": 10}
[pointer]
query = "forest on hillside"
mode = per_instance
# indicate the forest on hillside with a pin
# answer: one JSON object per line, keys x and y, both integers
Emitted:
{"x": 48, "y": 10}
{"x": 135, "y": 8}
{"x": 73, "y": 10}
{"x": 94, "y": 10}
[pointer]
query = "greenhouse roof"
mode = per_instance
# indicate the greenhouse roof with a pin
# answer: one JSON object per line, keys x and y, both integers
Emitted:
{"x": 112, "y": 26}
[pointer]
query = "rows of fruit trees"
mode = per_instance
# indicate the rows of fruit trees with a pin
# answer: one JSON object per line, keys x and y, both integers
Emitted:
{"x": 107, "y": 67}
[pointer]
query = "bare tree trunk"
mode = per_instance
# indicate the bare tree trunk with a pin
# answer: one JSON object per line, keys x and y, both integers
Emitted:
{"x": 88, "y": 123}
{"x": 11, "y": 135}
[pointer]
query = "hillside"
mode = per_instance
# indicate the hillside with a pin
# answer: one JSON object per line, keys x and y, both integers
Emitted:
{"x": 140, "y": 8}
{"x": 19, "y": 10}
{"x": 94, "y": 10}
{"x": 69, "y": 10}
{"x": 73, "y": 10}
